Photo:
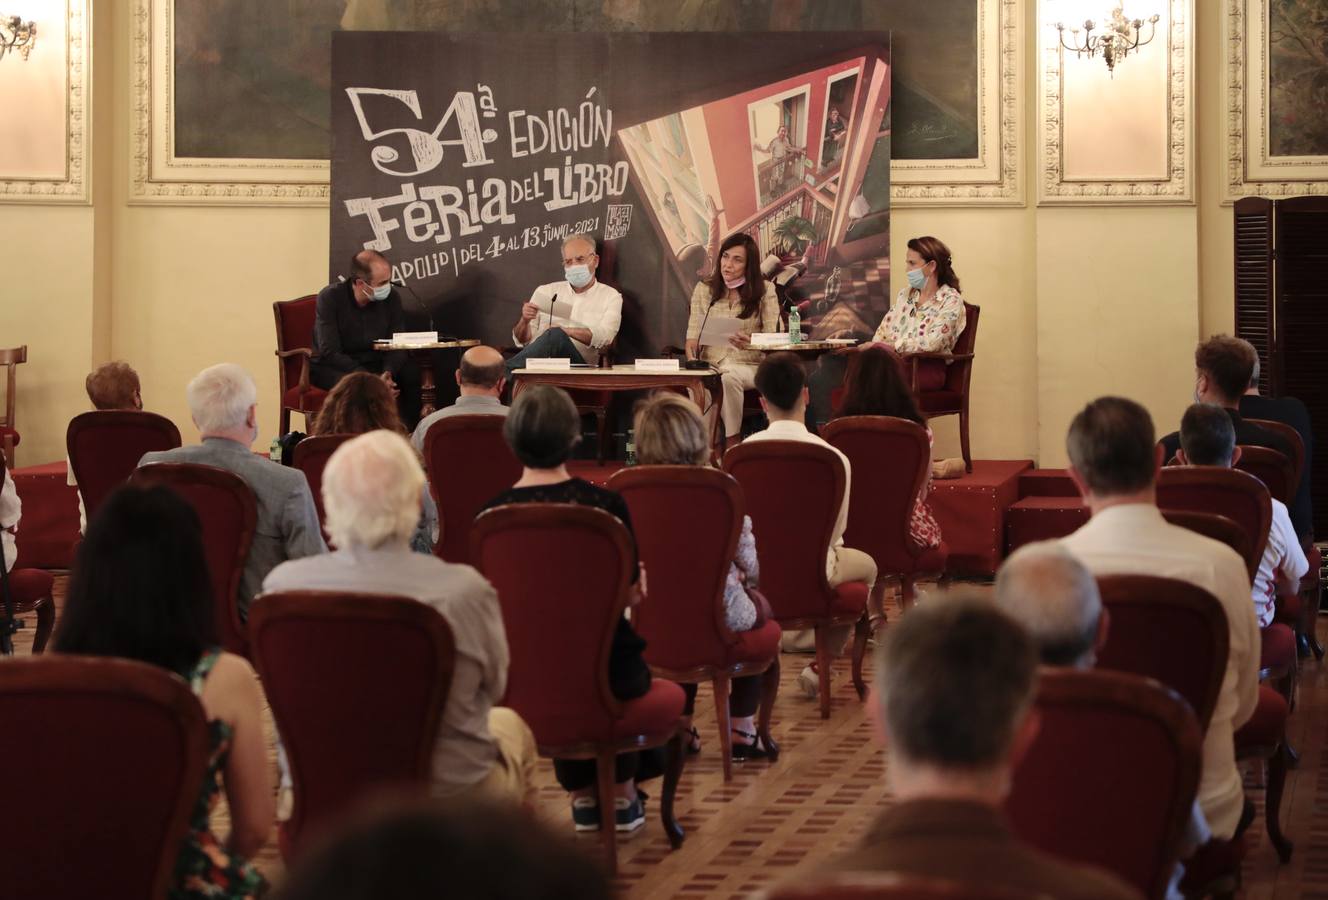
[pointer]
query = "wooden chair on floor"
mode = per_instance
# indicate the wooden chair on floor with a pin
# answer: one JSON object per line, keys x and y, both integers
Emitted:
{"x": 794, "y": 491}
{"x": 1239, "y": 496}
{"x": 105, "y": 445}
{"x": 468, "y": 463}
{"x": 33, "y": 591}
{"x": 295, "y": 341}
{"x": 108, "y": 757}
{"x": 951, "y": 399}
{"x": 562, "y": 573}
{"x": 228, "y": 512}
{"x": 695, "y": 514}
{"x": 310, "y": 457}
{"x": 10, "y": 358}
{"x": 328, "y": 662}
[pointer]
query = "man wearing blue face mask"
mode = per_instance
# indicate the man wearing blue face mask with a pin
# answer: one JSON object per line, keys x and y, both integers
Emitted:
{"x": 546, "y": 330}
{"x": 349, "y": 317}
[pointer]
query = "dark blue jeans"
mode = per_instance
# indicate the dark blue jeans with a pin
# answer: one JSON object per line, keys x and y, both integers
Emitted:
{"x": 552, "y": 344}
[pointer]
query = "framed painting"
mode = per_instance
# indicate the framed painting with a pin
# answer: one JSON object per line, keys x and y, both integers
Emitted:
{"x": 1277, "y": 88}
{"x": 43, "y": 150}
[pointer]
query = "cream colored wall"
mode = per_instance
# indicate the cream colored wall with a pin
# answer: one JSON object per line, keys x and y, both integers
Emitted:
{"x": 1217, "y": 290}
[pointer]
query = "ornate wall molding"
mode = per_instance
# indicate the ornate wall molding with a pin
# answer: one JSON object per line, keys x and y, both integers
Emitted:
{"x": 994, "y": 177}
{"x": 159, "y": 176}
{"x": 76, "y": 186}
{"x": 1176, "y": 187}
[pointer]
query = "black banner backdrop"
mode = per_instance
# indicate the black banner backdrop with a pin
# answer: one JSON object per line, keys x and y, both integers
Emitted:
{"x": 467, "y": 158}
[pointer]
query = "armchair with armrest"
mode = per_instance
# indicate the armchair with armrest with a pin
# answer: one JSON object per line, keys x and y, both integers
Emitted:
{"x": 952, "y": 397}
{"x": 295, "y": 332}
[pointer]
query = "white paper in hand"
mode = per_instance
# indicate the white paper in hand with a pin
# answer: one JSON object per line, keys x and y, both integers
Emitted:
{"x": 716, "y": 332}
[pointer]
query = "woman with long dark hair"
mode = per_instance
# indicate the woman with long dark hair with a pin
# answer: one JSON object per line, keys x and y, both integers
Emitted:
{"x": 140, "y": 590}
{"x": 735, "y": 290}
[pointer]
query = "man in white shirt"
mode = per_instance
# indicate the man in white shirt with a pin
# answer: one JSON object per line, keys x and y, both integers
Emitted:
{"x": 587, "y": 328}
{"x": 782, "y": 383}
{"x": 1110, "y": 445}
{"x": 1207, "y": 438}
{"x": 481, "y": 377}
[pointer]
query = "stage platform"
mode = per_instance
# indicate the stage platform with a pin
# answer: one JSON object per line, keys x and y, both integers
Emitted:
{"x": 971, "y": 512}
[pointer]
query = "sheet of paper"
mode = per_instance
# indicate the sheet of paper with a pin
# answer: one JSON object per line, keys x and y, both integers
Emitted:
{"x": 716, "y": 332}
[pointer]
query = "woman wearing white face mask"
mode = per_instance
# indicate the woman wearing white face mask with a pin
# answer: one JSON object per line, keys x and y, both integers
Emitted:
{"x": 928, "y": 315}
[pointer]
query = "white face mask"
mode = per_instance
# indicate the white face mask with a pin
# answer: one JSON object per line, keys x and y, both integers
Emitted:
{"x": 379, "y": 293}
{"x": 577, "y": 276}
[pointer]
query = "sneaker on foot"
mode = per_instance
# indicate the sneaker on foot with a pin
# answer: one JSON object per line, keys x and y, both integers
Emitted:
{"x": 631, "y": 814}
{"x": 585, "y": 814}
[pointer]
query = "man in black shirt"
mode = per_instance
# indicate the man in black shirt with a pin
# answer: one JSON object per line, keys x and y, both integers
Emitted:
{"x": 349, "y": 317}
{"x": 1288, "y": 411}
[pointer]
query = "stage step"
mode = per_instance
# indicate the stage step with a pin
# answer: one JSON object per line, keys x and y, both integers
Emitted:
{"x": 1042, "y": 518}
{"x": 1047, "y": 483}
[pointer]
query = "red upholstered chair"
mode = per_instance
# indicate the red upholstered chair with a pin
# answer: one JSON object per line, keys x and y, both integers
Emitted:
{"x": 1293, "y": 438}
{"x": 562, "y": 573}
{"x": 794, "y": 490}
{"x": 310, "y": 457}
{"x": 882, "y": 495}
{"x": 228, "y": 512}
{"x": 1276, "y": 470}
{"x": 105, "y": 445}
{"x": 1239, "y": 496}
{"x": 687, "y": 521}
{"x": 1125, "y": 748}
{"x": 295, "y": 341}
{"x": 952, "y": 398}
{"x": 32, "y": 592}
{"x": 10, "y": 358}
{"x": 1212, "y": 525}
{"x": 328, "y": 661}
{"x": 889, "y": 886}
{"x": 468, "y": 463}
{"x": 112, "y": 755}
{"x": 1264, "y": 738}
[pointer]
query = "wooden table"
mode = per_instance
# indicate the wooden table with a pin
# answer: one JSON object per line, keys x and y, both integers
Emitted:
{"x": 697, "y": 383}
{"x": 807, "y": 350}
{"x": 423, "y": 356}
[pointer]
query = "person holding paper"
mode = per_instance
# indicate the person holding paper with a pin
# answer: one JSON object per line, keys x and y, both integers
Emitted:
{"x": 350, "y": 315}
{"x": 726, "y": 309}
{"x": 576, "y": 318}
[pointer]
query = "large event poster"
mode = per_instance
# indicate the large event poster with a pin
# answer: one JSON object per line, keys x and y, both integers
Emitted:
{"x": 466, "y": 159}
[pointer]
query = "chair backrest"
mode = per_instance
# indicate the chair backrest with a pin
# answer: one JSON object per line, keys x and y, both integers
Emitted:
{"x": 228, "y": 512}
{"x": 310, "y": 457}
{"x": 890, "y": 886}
{"x": 690, "y": 513}
{"x": 959, "y": 374}
{"x": 468, "y": 463}
{"x": 112, "y": 755}
{"x": 891, "y": 461}
{"x": 10, "y": 358}
{"x": 1239, "y": 496}
{"x": 329, "y": 661}
{"x": 562, "y": 572}
{"x": 1111, "y": 777}
{"x": 794, "y": 490}
{"x": 295, "y": 329}
{"x": 1170, "y": 631}
{"x": 105, "y": 445}
{"x": 1276, "y": 470}
{"x": 1293, "y": 438}
{"x": 1213, "y": 525}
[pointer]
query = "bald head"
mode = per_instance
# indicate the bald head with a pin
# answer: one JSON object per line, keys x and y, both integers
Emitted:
{"x": 481, "y": 371}
{"x": 1053, "y": 596}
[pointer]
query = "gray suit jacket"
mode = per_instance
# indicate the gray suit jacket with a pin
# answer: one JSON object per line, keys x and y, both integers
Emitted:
{"x": 287, "y": 520}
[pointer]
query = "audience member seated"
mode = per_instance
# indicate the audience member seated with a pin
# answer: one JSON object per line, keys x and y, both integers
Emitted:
{"x": 781, "y": 381}
{"x": 371, "y": 491}
{"x": 955, "y": 683}
{"x": 542, "y": 429}
{"x": 112, "y": 385}
{"x": 592, "y": 322}
{"x": 927, "y": 317}
{"x": 670, "y": 432}
{"x": 11, "y": 510}
{"x": 735, "y": 290}
{"x": 1207, "y": 438}
{"x": 1110, "y": 445}
{"x": 224, "y": 406}
{"x": 348, "y": 317}
{"x": 461, "y": 851}
{"x": 139, "y": 589}
{"x": 1288, "y": 411}
{"x": 481, "y": 377}
{"x": 1223, "y": 368}
{"x": 361, "y": 403}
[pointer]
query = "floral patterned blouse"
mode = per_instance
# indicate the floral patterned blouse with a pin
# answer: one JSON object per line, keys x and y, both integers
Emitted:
{"x": 912, "y": 326}
{"x": 739, "y": 610}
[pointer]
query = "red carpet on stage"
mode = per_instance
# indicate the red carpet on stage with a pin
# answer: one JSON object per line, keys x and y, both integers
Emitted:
{"x": 971, "y": 513}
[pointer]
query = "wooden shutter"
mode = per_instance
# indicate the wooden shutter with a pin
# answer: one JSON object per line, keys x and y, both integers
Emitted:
{"x": 1254, "y": 286}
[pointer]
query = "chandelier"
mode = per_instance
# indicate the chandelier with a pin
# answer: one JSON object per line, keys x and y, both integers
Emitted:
{"x": 1121, "y": 36}
{"x": 16, "y": 36}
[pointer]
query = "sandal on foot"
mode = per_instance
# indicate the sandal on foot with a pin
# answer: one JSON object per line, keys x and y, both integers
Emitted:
{"x": 752, "y": 750}
{"x": 693, "y": 744}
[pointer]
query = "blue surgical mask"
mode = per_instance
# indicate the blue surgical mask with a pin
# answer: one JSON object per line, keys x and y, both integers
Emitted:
{"x": 577, "y": 276}
{"x": 381, "y": 292}
{"x": 916, "y": 278}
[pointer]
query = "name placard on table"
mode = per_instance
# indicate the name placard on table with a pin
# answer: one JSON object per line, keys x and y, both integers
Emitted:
{"x": 548, "y": 364}
{"x": 657, "y": 365}
{"x": 413, "y": 338}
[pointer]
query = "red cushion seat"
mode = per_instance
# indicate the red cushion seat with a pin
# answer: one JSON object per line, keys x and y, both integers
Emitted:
{"x": 1268, "y": 723}
{"x": 930, "y": 401}
{"x": 1277, "y": 646}
{"x": 1288, "y": 609}
{"x": 756, "y": 645}
{"x": 850, "y": 598}
{"x": 30, "y": 586}
{"x": 933, "y": 560}
{"x": 654, "y": 714}
{"x": 313, "y": 398}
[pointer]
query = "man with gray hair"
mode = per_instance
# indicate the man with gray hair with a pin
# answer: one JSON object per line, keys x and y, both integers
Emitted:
{"x": 1055, "y": 598}
{"x": 955, "y": 682}
{"x": 371, "y": 491}
{"x": 224, "y": 406}
{"x": 575, "y": 318}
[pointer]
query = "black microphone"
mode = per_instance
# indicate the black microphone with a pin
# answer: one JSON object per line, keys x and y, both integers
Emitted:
{"x": 552, "y": 300}
{"x": 699, "y": 363}
{"x": 424, "y": 307}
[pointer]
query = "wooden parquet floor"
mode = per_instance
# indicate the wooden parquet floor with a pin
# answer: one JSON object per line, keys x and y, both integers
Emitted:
{"x": 775, "y": 819}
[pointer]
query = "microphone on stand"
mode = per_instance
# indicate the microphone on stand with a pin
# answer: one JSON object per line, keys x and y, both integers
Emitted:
{"x": 424, "y": 307}
{"x": 699, "y": 363}
{"x": 552, "y": 300}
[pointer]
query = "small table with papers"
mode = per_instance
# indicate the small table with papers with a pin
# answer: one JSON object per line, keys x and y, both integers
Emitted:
{"x": 422, "y": 353}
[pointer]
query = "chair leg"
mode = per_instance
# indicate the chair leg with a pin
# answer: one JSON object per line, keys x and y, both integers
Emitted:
{"x": 1277, "y": 767}
{"x": 606, "y": 436}
{"x": 45, "y": 622}
{"x": 608, "y": 813}
{"x": 823, "y": 668}
{"x": 283, "y": 424}
{"x": 599, "y": 435}
{"x": 672, "y": 775}
{"x": 1309, "y": 614}
{"x": 769, "y": 690}
{"x": 861, "y": 631}
{"x": 721, "y": 689}
{"x": 963, "y": 439}
{"x": 876, "y": 601}
{"x": 907, "y": 594}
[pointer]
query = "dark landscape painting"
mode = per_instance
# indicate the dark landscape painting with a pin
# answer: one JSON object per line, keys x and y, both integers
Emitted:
{"x": 1298, "y": 78}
